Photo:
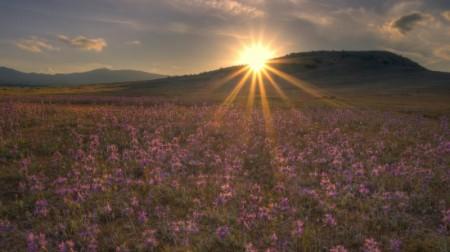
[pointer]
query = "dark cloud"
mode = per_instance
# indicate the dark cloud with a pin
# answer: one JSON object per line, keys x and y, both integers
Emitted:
{"x": 407, "y": 23}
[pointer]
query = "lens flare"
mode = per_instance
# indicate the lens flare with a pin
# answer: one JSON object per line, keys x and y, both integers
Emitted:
{"x": 256, "y": 56}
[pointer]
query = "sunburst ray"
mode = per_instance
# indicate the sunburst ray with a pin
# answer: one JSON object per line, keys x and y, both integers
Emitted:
{"x": 276, "y": 87}
{"x": 306, "y": 87}
{"x": 232, "y": 96}
{"x": 218, "y": 84}
{"x": 295, "y": 82}
{"x": 251, "y": 92}
{"x": 265, "y": 106}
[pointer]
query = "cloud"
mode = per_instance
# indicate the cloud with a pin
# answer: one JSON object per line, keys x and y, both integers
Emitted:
{"x": 81, "y": 42}
{"x": 443, "y": 53}
{"x": 182, "y": 28}
{"x": 231, "y": 7}
{"x": 446, "y": 15}
{"x": 320, "y": 20}
{"x": 35, "y": 45}
{"x": 407, "y": 23}
{"x": 113, "y": 21}
{"x": 133, "y": 43}
{"x": 178, "y": 27}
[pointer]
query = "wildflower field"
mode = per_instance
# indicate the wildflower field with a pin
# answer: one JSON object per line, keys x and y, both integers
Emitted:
{"x": 137, "y": 175}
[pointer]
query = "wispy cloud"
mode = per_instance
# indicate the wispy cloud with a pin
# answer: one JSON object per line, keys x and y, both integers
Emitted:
{"x": 35, "y": 45}
{"x": 446, "y": 15}
{"x": 316, "y": 19}
{"x": 130, "y": 23}
{"x": 178, "y": 27}
{"x": 84, "y": 43}
{"x": 231, "y": 7}
{"x": 133, "y": 43}
{"x": 443, "y": 52}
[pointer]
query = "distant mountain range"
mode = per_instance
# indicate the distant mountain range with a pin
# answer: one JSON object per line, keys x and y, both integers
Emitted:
{"x": 11, "y": 77}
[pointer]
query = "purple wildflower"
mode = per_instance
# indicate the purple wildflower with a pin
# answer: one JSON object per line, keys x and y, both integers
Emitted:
{"x": 150, "y": 238}
{"x": 298, "y": 228}
{"x": 338, "y": 248}
{"x": 395, "y": 245}
{"x": 41, "y": 208}
{"x": 5, "y": 226}
{"x": 222, "y": 232}
{"x": 32, "y": 245}
{"x": 370, "y": 245}
{"x": 446, "y": 217}
{"x": 250, "y": 248}
{"x": 142, "y": 217}
{"x": 67, "y": 246}
{"x": 329, "y": 220}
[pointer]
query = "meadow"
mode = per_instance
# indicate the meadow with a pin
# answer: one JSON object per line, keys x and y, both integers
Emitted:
{"x": 142, "y": 174}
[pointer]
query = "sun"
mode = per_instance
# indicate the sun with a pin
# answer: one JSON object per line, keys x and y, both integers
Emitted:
{"x": 256, "y": 56}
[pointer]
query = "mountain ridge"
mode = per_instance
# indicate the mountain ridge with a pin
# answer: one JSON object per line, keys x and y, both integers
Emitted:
{"x": 13, "y": 77}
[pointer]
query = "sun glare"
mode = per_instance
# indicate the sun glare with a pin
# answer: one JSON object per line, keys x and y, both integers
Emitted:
{"x": 256, "y": 56}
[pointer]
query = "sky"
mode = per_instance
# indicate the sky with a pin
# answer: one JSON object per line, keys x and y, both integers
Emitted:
{"x": 190, "y": 36}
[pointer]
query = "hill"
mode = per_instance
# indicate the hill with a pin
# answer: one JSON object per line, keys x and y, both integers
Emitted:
{"x": 378, "y": 71}
{"x": 360, "y": 69}
{"x": 11, "y": 77}
{"x": 356, "y": 78}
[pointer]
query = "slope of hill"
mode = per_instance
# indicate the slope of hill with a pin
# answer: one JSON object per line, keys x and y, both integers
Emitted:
{"x": 11, "y": 77}
{"x": 374, "y": 70}
{"x": 338, "y": 70}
